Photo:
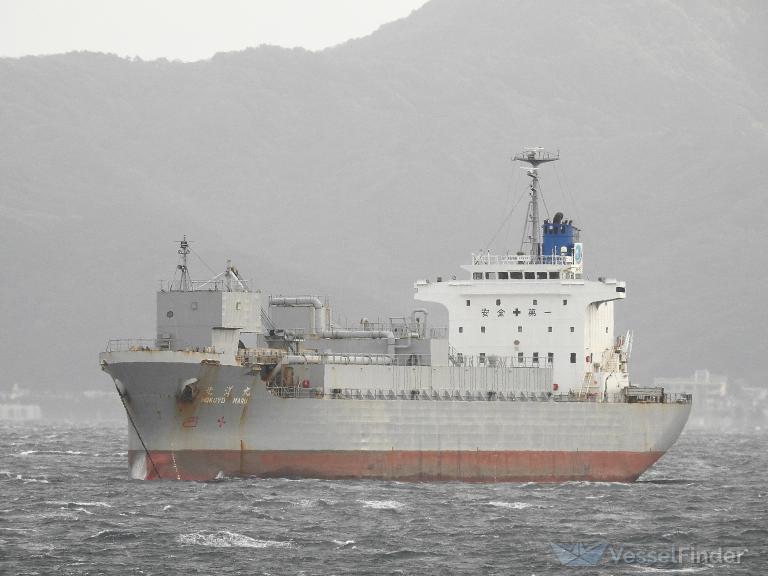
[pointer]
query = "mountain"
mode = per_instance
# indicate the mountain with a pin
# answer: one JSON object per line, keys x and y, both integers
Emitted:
{"x": 353, "y": 171}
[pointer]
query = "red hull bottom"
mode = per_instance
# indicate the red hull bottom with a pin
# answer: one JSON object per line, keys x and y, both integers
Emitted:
{"x": 464, "y": 466}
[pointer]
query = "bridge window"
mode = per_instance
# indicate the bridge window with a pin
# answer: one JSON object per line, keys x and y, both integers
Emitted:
{"x": 520, "y": 357}
{"x": 468, "y": 302}
{"x": 490, "y": 275}
{"x": 477, "y": 275}
{"x": 482, "y": 358}
{"x": 565, "y": 302}
{"x": 550, "y": 357}
{"x": 530, "y": 276}
{"x": 461, "y": 329}
{"x": 573, "y": 357}
{"x": 519, "y": 328}
{"x": 535, "y": 302}
{"x": 498, "y": 302}
{"x": 572, "y": 329}
{"x": 535, "y": 357}
{"x": 549, "y": 328}
{"x": 482, "y": 329}
{"x": 516, "y": 275}
{"x": 554, "y": 275}
{"x": 541, "y": 275}
{"x": 503, "y": 275}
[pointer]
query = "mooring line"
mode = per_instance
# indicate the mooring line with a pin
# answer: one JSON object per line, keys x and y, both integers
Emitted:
{"x": 135, "y": 428}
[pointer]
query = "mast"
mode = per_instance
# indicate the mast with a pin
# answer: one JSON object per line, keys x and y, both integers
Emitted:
{"x": 534, "y": 157}
{"x": 185, "y": 283}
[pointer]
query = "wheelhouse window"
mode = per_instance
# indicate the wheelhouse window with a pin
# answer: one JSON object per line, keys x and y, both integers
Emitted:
{"x": 482, "y": 329}
{"x": 503, "y": 275}
{"x": 573, "y": 357}
{"x": 477, "y": 275}
{"x": 530, "y": 275}
{"x": 515, "y": 275}
{"x": 541, "y": 275}
{"x": 565, "y": 302}
{"x": 550, "y": 357}
{"x": 490, "y": 275}
{"x": 461, "y": 329}
{"x": 554, "y": 275}
{"x": 535, "y": 357}
{"x": 520, "y": 358}
{"x": 519, "y": 328}
{"x": 469, "y": 302}
{"x": 549, "y": 328}
{"x": 498, "y": 301}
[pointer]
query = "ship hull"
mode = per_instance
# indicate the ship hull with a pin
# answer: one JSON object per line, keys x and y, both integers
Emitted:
{"x": 424, "y": 466}
{"x": 236, "y": 427}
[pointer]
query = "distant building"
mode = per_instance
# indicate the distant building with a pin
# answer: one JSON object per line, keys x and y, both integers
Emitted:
{"x": 13, "y": 409}
{"x": 719, "y": 404}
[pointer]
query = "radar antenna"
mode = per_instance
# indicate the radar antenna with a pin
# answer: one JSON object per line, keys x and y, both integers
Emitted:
{"x": 185, "y": 283}
{"x": 534, "y": 157}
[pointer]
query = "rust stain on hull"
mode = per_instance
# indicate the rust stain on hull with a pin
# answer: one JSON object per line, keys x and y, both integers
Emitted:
{"x": 465, "y": 466}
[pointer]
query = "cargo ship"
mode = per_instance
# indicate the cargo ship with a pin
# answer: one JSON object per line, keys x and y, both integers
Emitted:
{"x": 527, "y": 383}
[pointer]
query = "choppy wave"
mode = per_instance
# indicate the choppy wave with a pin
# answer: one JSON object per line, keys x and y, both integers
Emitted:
{"x": 25, "y": 479}
{"x": 511, "y": 505}
{"x": 227, "y": 539}
{"x": 382, "y": 504}
{"x": 114, "y": 535}
{"x": 80, "y": 504}
{"x": 685, "y": 570}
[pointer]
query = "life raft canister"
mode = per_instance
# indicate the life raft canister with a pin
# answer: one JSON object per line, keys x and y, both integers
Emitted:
{"x": 305, "y": 383}
{"x": 555, "y": 387}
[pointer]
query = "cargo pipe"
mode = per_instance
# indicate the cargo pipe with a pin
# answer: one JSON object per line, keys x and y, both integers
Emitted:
{"x": 314, "y": 301}
{"x": 328, "y": 359}
{"x": 372, "y": 334}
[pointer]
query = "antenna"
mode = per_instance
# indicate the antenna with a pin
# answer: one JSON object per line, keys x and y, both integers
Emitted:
{"x": 534, "y": 157}
{"x": 185, "y": 283}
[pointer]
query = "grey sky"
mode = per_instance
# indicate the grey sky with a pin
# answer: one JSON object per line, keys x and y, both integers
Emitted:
{"x": 187, "y": 29}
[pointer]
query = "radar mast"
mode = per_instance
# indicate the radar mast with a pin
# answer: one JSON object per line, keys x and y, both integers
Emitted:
{"x": 534, "y": 157}
{"x": 185, "y": 283}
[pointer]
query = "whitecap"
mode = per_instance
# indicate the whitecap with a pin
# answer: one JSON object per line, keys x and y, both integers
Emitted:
{"x": 343, "y": 543}
{"x": 686, "y": 570}
{"x": 28, "y": 480}
{"x": 65, "y": 503}
{"x": 227, "y": 539}
{"x": 511, "y": 505}
{"x": 382, "y": 504}
{"x": 50, "y": 452}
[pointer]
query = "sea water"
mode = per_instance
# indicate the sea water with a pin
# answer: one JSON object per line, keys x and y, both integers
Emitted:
{"x": 68, "y": 506}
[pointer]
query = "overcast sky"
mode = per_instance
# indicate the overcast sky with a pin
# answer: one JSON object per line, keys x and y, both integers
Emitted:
{"x": 187, "y": 29}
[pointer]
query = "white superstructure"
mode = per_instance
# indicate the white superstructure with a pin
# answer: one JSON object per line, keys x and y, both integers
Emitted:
{"x": 537, "y": 307}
